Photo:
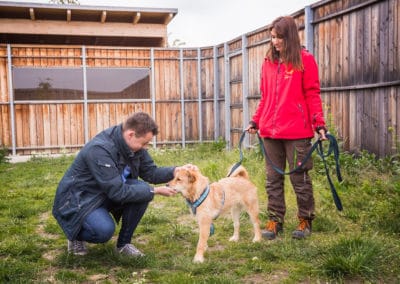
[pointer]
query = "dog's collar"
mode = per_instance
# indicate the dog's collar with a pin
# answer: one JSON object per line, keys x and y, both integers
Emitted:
{"x": 197, "y": 203}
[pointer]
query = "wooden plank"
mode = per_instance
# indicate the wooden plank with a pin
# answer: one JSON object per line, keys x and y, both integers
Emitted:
{"x": 45, "y": 121}
{"x": 92, "y": 113}
{"x": 352, "y": 50}
{"x": 53, "y": 128}
{"x": 374, "y": 53}
{"x": 80, "y": 124}
{"x": 384, "y": 41}
{"x": 25, "y": 121}
{"x": 345, "y": 62}
{"x": 192, "y": 130}
{"x": 4, "y": 98}
{"x": 82, "y": 28}
{"x": 74, "y": 118}
{"x": 60, "y": 125}
{"x": 392, "y": 41}
{"x": 208, "y": 124}
{"x": 354, "y": 117}
{"x": 67, "y": 124}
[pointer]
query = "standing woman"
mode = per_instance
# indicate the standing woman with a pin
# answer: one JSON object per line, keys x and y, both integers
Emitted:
{"x": 289, "y": 112}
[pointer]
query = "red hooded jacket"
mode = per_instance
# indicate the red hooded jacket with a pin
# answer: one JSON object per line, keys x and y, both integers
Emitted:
{"x": 290, "y": 105}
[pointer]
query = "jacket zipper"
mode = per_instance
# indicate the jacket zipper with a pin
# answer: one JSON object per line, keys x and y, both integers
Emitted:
{"x": 276, "y": 96}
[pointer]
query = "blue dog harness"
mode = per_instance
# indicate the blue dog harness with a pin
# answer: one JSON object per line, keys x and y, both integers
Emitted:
{"x": 193, "y": 205}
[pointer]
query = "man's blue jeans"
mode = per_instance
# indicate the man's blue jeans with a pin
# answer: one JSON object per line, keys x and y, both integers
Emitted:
{"x": 99, "y": 226}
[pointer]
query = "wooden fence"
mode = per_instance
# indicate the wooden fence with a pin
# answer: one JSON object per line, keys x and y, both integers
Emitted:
{"x": 201, "y": 94}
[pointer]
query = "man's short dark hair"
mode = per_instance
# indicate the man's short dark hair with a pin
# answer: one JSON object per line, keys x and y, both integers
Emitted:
{"x": 141, "y": 123}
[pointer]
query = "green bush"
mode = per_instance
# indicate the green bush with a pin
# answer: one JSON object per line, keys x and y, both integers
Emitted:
{"x": 4, "y": 152}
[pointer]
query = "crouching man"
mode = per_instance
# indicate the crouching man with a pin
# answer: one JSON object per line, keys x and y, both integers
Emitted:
{"x": 103, "y": 181}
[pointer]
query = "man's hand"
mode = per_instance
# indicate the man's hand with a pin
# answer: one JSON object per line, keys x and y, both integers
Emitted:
{"x": 164, "y": 191}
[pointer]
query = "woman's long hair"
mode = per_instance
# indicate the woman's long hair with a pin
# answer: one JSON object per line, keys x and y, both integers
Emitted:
{"x": 286, "y": 29}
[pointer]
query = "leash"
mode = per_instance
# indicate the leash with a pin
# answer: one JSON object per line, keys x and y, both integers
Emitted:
{"x": 317, "y": 146}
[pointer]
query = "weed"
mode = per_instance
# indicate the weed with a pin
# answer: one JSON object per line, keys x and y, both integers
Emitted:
{"x": 4, "y": 152}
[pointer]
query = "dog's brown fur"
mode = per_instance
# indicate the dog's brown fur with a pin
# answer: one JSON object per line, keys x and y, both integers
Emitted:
{"x": 239, "y": 193}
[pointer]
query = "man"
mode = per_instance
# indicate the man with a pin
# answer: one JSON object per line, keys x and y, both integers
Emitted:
{"x": 104, "y": 179}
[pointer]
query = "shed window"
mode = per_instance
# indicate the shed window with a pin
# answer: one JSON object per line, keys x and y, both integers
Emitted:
{"x": 32, "y": 84}
{"x": 47, "y": 83}
{"x": 118, "y": 83}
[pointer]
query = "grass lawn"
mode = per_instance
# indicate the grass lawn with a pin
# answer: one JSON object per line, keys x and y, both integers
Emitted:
{"x": 358, "y": 245}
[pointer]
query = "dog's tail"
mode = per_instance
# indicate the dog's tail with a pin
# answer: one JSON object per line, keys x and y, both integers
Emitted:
{"x": 239, "y": 172}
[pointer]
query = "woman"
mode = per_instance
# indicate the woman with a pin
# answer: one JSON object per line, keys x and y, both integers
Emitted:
{"x": 289, "y": 111}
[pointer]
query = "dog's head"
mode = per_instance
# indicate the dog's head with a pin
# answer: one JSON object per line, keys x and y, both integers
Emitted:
{"x": 189, "y": 182}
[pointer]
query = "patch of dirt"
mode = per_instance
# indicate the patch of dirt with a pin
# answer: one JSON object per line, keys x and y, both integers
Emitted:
{"x": 51, "y": 255}
{"x": 275, "y": 278}
{"x": 40, "y": 228}
{"x": 97, "y": 277}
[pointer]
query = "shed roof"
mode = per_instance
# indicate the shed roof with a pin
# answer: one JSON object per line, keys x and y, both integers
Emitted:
{"x": 35, "y": 23}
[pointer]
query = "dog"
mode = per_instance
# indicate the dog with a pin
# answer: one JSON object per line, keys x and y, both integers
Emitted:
{"x": 208, "y": 201}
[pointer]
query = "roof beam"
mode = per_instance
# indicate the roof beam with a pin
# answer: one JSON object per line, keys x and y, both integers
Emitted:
{"x": 136, "y": 18}
{"x": 32, "y": 13}
{"x": 168, "y": 18}
{"x": 103, "y": 16}
{"x": 75, "y": 28}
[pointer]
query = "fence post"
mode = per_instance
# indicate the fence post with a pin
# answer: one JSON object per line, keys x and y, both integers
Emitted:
{"x": 227, "y": 97}
{"x": 245, "y": 84}
{"x": 309, "y": 28}
{"x": 199, "y": 94}
{"x": 152, "y": 92}
{"x": 85, "y": 96}
{"x": 216, "y": 94}
{"x": 182, "y": 97}
{"x": 11, "y": 102}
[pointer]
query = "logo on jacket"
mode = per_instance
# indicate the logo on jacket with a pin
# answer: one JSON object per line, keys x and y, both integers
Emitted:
{"x": 288, "y": 73}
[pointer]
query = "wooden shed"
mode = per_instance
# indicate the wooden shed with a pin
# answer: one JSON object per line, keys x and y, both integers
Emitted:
{"x": 62, "y": 66}
{"x": 32, "y": 23}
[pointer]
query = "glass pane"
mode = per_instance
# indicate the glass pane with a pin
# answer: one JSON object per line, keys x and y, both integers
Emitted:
{"x": 48, "y": 83}
{"x": 118, "y": 83}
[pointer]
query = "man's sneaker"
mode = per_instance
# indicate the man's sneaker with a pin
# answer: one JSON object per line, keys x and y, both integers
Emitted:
{"x": 77, "y": 247}
{"x": 273, "y": 228}
{"x": 303, "y": 229}
{"x": 130, "y": 250}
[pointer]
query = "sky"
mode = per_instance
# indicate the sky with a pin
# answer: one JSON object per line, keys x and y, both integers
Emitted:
{"x": 202, "y": 23}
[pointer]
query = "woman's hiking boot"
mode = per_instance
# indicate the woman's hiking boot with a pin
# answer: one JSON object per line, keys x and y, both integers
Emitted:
{"x": 303, "y": 230}
{"x": 272, "y": 229}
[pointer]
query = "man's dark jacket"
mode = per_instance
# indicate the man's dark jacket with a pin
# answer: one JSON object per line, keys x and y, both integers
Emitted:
{"x": 95, "y": 175}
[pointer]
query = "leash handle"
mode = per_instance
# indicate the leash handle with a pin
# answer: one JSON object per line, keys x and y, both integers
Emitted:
{"x": 317, "y": 146}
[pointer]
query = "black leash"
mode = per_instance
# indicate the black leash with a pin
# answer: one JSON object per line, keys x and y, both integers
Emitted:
{"x": 317, "y": 146}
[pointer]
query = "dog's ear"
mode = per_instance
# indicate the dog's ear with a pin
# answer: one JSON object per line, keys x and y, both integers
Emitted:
{"x": 192, "y": 176}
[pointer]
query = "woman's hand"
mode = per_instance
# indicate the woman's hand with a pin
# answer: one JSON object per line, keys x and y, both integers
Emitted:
{"x": 251, "y": 129}
{"x": 322, "y": 134}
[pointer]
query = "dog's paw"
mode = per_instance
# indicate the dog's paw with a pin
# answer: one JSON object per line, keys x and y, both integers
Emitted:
{"x": 234, "y": 239}
{"x": 198, "y": 259}
{"x": 256, "y": 239}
